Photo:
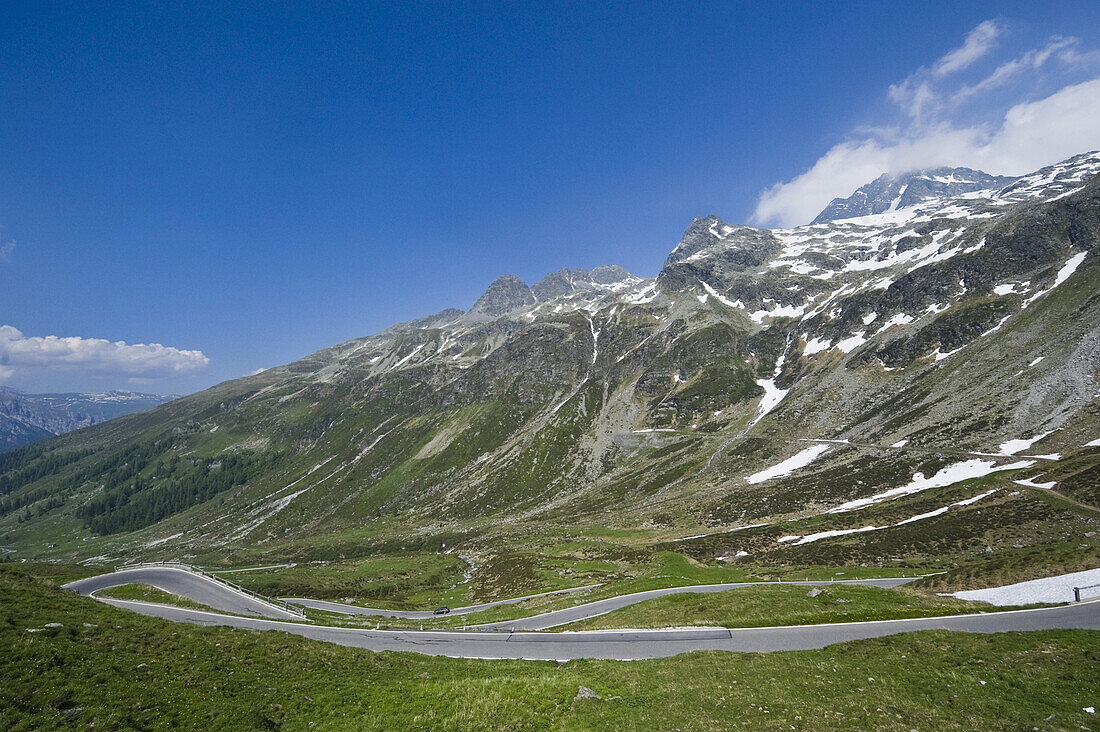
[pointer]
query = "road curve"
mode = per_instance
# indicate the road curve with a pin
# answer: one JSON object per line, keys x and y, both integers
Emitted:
{"x": 178, "y": 581}
{"x": 221, "y": 597}
{"x": 609, "y": 644}
{"x": 632, "y": 645}
{"x": 345, "y": 609}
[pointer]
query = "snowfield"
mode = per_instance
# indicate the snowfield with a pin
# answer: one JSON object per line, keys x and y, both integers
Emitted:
{"x": 1049, "y": 589}
{"x": 789, "y": 465}
{"x": 946, "y": 476}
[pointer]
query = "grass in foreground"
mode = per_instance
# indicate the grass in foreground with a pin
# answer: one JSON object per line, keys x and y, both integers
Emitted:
{"x": 795, "y": 605}
{"x": 115, "y": 669}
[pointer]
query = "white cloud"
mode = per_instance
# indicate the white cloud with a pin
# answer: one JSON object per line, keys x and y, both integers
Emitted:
{"x": 977, "y": 44}
{"x": 1039, "y": 133}
{"x": 1014, "y": 138}
{"x": 1065, "y": 48}
{"x": 916, "y": 94}
{"x": 139, "y": 361}
{"x": 6, "y": 250}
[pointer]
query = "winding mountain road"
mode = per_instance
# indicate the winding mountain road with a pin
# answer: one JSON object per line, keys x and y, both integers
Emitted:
{"x": 187, "y": 584}
{"x": 570, "y": 614}
{"x": 607, "y": 644}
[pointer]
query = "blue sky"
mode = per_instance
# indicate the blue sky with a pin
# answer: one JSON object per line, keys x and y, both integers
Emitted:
{"x": 246, "y": 186}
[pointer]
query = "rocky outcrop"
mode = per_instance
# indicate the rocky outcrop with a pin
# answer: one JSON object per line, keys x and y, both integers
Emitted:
{"x": 506, "y": 294}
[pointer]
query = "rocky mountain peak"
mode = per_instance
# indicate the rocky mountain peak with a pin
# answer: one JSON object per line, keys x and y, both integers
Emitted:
{"x": 715, "y": 252}
{"x": 567, "y": 281}
{"x": 890, "y": 192}
{"x": 556, "y": 284}
{"x": 609, "y": 274}
{"x": 506, "y": 294}
{"x": 706, "y": 232}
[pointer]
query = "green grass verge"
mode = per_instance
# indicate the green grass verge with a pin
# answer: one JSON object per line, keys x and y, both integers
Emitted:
{"x": 148, "y": 593}
{"x": 113, "y": 669}
{"x": 763, "y": 606}
{"x": 397, "y": 581}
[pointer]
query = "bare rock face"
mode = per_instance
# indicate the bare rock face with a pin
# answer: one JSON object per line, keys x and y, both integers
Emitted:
{"x": 559, "y": 283}
{"x": 568, "y": 281}
{"x": 507, "y": 294}
{"x": 739, "y": 247}
{"x": 609, "y": 274}
{"x": 728, "y": 258}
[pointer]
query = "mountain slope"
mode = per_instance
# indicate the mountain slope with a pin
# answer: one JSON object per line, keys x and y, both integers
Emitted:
{"x": 788, "y": 383}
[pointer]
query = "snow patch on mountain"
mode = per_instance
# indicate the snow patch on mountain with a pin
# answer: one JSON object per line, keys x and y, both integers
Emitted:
{"x": 955, "y": 473}
{"x": 1049, "y": 590}
{"x": 791, "y": 464}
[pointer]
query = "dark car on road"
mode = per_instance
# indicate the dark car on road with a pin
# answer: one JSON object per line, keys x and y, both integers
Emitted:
{"x": 442, "y": 610}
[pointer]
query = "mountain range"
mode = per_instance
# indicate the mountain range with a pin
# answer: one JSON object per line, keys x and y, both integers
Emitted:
{"x": 27, "y": 418}
{"x": 914, "y": 374}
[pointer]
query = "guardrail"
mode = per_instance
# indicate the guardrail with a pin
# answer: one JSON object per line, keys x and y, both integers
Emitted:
{"x": 1077, "y": 591}
{"x": 281, "y": 604}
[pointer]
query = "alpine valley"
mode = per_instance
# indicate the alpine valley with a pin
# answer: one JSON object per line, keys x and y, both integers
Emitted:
{"x": 913, "y": 386}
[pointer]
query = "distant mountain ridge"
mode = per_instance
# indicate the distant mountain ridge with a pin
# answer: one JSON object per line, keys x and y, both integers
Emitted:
{"x": 27, "y": 418}
{"x": 509, "y": 294}
{"x": 891, "y": 192}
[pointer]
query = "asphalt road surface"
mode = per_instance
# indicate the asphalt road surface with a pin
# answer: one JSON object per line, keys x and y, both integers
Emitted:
{"x": 609, "y": 644}
{"x": 194, "y": 586}
{"x": 630, "y": 645}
